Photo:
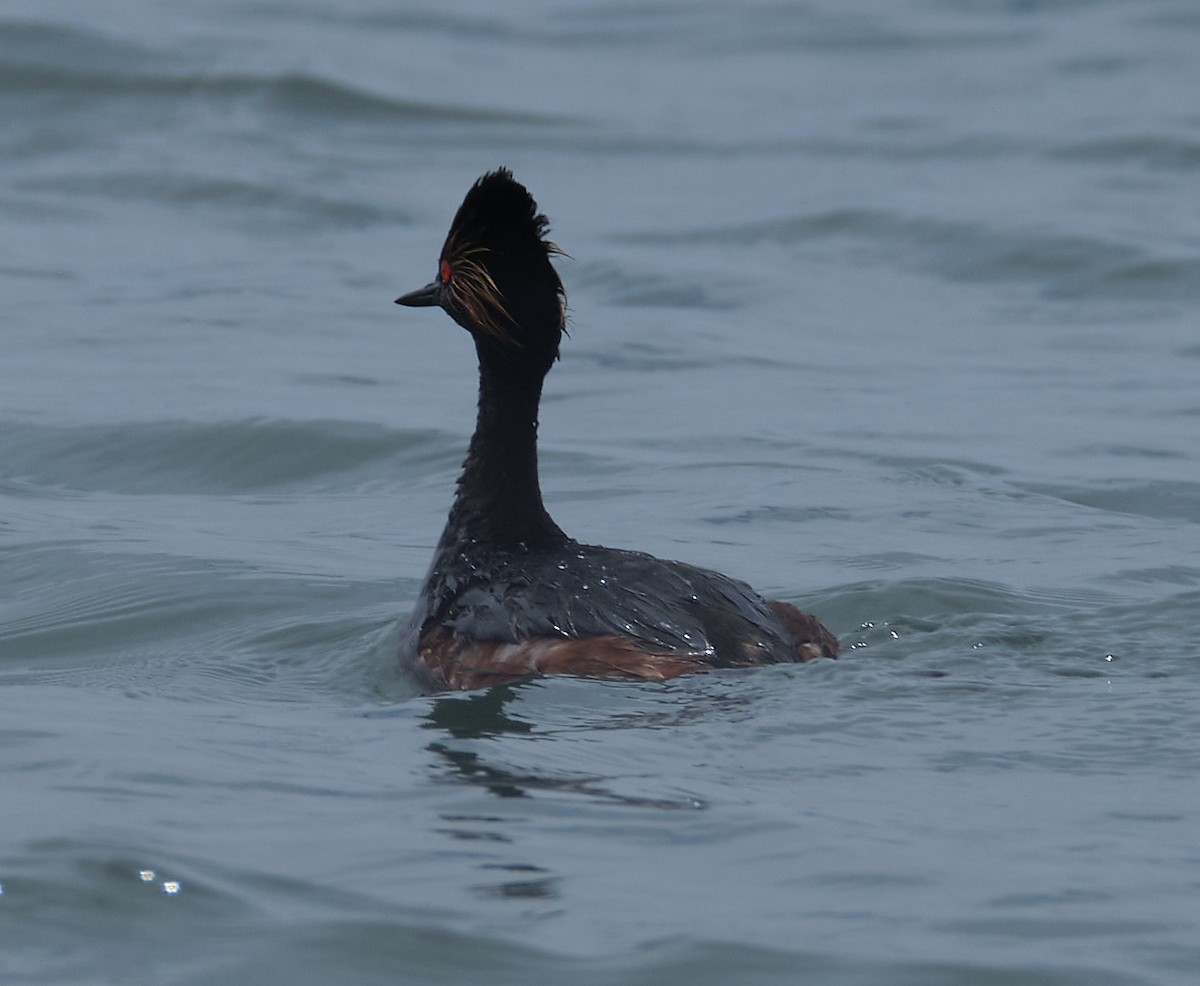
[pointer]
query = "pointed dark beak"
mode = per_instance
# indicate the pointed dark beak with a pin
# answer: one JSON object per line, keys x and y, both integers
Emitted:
{"x": 431, "y": 294}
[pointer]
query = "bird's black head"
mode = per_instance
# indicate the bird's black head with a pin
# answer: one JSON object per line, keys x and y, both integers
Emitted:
{"x": 495, "y": 278}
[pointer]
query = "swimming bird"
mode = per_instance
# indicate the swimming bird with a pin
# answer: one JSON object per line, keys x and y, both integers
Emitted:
{"x": 508, "y": 594}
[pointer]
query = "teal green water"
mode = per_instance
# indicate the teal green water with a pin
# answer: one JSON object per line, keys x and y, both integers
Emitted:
{"x": 892, "y": 313}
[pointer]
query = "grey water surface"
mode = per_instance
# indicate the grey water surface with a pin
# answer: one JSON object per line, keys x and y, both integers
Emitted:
{"x": 889, "y": 308}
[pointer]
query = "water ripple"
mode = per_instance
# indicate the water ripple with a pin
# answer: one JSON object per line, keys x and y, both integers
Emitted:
{"x": 1177, "y": 153}
{"x": 1066, "y": 266}
{"x": 1160, "y": 499}
{"x": 45, "y": 61}
{"x": 252, "y": 456}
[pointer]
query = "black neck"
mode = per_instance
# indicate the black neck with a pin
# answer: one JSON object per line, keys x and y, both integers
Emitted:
{"x": 499, "y": 498}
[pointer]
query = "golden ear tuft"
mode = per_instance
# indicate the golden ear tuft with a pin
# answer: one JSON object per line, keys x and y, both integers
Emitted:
{"x": 474, "y": 292}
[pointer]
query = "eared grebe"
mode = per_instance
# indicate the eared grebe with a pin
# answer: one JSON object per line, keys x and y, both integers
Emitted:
{"x": 508, "y": 593}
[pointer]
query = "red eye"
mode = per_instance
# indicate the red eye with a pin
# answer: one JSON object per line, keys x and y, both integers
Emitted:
{"x": 444, "y": 272}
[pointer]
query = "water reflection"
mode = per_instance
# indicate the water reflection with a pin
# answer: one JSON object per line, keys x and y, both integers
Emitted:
{"x": 477, "y": 714}
{"x": 473, "y": 731}
{"x": 468, "y": 766}
{"x": 526, "y": 884}
{"x": 484, "y": 715}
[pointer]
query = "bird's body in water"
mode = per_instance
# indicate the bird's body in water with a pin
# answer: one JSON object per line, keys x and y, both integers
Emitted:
{"x": 508, "y": 593}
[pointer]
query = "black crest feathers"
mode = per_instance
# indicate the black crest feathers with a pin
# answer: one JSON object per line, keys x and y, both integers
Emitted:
{"x": 496, "y": 231}
{"x": 498, "y": 213}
